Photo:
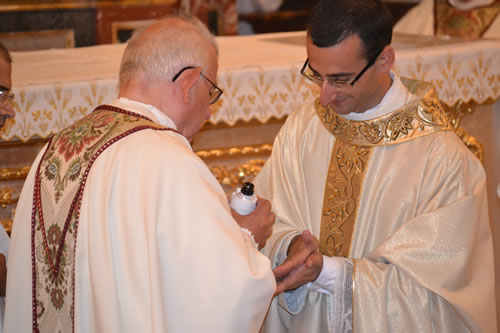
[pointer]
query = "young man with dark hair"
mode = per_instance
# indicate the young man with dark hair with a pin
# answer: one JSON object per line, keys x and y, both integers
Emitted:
{"x": 373, "y": 175}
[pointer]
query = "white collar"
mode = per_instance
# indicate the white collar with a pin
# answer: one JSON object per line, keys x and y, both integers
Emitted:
{"x": 397, "y": 96}
{"x": 146, "y": 110}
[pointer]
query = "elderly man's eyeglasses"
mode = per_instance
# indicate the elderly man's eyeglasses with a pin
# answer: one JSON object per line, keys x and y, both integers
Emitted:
{"x": 214, "y": 92}
{"x": 335, "y": 82}
{"x": 6, "y": 96}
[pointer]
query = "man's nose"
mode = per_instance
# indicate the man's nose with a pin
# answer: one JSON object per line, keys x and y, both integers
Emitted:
{"x": 327, "y": 93}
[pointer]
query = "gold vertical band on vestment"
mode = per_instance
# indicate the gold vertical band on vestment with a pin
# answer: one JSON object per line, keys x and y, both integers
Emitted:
{"x": 343, "y": 187}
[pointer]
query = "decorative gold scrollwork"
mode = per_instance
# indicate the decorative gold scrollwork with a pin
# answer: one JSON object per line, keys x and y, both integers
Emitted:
{"x": 7, "y": 225}
{"x": 6, "y": 197}
{"x": 456, "y": 114}
{"x": 236, "y": 176}
{"x": 14, "y": 173}
{"x": 458, "y": 111}
{"x": 472, "y": 143}
{"x": 235, "y": 151}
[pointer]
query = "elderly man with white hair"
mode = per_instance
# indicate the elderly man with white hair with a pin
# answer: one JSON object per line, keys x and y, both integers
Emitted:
{"x": 120, "y": 227}
{"x": 464, "y": 18}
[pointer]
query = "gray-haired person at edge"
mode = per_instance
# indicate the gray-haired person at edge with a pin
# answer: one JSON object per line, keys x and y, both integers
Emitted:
{"x": 120, "y": 227}
{"x": 6, "y": 96}
{"x": 381, "y": 211}
{"x": 6, "y": 111}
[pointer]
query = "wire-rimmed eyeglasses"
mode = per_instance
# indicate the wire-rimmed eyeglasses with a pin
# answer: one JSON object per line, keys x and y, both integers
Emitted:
{"x": 334, "y": 82}
{"x": 214, "y": 92}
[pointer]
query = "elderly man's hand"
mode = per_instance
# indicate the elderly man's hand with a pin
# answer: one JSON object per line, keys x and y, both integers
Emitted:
{"x": 6, "y": 111}
{"x": 259, "y": 222}
{"x": 302, "y": 265}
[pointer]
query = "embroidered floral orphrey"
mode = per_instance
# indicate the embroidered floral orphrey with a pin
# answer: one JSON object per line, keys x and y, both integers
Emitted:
{"x": 59, "y": 184}
{"x": 354, "y": 143}
{"x": 473, "y": 23}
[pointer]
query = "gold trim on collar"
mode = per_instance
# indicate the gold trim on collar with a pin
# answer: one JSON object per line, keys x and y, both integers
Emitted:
{"x": 420, "y": 117}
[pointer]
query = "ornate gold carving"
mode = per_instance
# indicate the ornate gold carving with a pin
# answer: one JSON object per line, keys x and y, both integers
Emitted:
{"x": 14, "y": 173}
{"x": 344, "y": 183}
{"x": 474, "y": 145}
{"x": 235, "y": 151}
{"x": 456, "y": 114}
{"x": 7, "y": 225}
{"x": 418, "y": 118}
{"x": 6, "y": 197}
{"x": 236, "y": 176}
{"x": 458, "y": 111}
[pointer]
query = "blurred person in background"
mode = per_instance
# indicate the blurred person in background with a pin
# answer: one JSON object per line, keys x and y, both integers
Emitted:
{"x": 462, "y": 18}
{"x": 6, "y": 111}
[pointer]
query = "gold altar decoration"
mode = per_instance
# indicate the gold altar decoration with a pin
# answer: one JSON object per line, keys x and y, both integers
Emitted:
{"x": 232, "y": 175}
{"x": 236, "y": 176}
{"x": 5, "y": 200}
{"x": 6, "y": 197}
{"x": 235, "y": 151}
{"x": 456, "y": 114}
{"x": 14, "y": 173}
{"x": 7, "y": 225}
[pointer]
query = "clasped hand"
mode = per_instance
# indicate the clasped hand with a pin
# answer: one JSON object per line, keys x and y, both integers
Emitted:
{"x": 302, "y": 265}
{"x": 259, "y": 222}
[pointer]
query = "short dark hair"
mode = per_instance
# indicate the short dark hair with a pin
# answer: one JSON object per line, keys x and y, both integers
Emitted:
{"x": 4, "y": 53}
{"x": 332, "y": 21}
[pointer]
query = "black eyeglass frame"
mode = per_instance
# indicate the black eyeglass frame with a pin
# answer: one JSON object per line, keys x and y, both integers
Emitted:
{"x": 217, "y": 92}
{"x": 368, "y": 65}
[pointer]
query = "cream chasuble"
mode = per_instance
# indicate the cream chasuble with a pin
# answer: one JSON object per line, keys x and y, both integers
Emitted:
{"x": 403, "y": 200}
{"x": 157, "y": 249}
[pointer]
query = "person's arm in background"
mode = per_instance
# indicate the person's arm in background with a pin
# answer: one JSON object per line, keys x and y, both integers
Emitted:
{"x": 3, "y": 275}
{"x": 4, "y": 248}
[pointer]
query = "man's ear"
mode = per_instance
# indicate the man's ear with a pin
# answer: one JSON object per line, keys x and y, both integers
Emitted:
{"x": 387, "y": 59}
{"x": 187, "y": 81}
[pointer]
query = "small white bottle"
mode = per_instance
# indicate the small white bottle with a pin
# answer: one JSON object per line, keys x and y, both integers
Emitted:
{"x": 244, "y": 200}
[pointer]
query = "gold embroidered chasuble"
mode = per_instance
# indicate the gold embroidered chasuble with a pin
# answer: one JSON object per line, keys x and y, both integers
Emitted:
{"x": 419, "y": 263}
{"x": 473, "y": 23}
{"x": 59, "y": 186}
{"x": 351, "y": 154}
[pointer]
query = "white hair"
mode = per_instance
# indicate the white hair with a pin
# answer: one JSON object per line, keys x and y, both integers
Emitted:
{"x": 164, "y": 48}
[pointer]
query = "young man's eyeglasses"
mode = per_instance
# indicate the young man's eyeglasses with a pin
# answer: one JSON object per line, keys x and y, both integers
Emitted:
{"x": 214, "y": 92}
{"x": 6, "y": 96}
{"x": 334, "y": 82}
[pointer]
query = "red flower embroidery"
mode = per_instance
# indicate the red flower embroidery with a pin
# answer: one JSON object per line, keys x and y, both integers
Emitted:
{"x": 54, "y": 234}
{"x": 83, "y": 133}
{"x": 57, "y": 298}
